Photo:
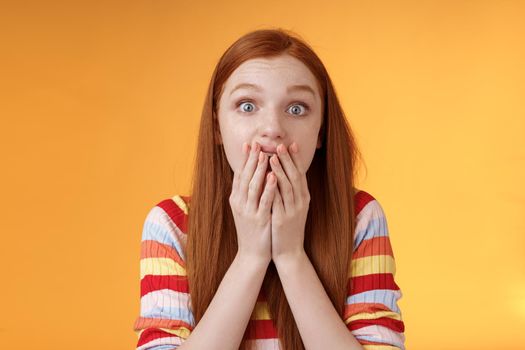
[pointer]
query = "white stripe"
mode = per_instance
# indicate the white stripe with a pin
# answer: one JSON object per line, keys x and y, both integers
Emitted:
{"x": 164, "y": 297}
{"x": 381, "y": 334}
{"x": 161, "y": 341}
{"x": 263, "y": 344}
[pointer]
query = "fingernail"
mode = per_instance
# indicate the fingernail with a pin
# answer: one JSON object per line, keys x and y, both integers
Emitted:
{"x": 294, "y": 147}
{"x": 244, "y": 147}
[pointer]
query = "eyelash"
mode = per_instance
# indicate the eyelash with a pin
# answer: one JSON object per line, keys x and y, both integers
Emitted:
{"x": 306, "y": 106}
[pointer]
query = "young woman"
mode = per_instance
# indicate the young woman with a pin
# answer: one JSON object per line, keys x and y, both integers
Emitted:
{"x": 275, "y": 248}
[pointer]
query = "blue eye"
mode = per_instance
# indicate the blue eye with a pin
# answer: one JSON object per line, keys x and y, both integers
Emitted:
{"x": 305, "y": 107}
{"x": 294, "y": 107}
{"x": 245, "y": 110}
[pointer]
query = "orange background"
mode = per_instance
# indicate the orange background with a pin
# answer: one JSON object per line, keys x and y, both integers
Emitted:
{"x": 100, "y": 105}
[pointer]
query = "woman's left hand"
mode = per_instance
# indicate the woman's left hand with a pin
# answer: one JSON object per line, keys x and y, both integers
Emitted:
{"x": 290, "y": 204}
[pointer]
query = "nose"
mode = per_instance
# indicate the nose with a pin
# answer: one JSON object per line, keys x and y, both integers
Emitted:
{"x": 271, "y": 126}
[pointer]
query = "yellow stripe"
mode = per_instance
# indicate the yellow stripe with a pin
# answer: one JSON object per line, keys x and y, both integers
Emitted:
{"x": 380, "y": 347}
{"x": 260, "y": 311}
{"x": 373, "y": 264}
{"x": 182, "y": 332}
{"x": 160, "y": 266}
{"x": 180, "y": 202}
{"x": 373, "y": 315}
{"x": 139, "y": 332}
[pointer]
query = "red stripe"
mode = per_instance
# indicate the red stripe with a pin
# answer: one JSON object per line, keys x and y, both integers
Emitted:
{"x": 176, "y": 214}
{"x": 260, "y": 329}
{"x": 365, "y": 283}
{"x": 152, "y": 283}
{"x": 374, "y": 246}
{"x": 152, "y": 322}
{"x": 353, "y": 309}
{"x": 395, "y": 325}
{"x": 150, "y": 334}
{"x": 367, "y": 342}
{"x": 155, "y": 249}
{"x": 361, "y": 199}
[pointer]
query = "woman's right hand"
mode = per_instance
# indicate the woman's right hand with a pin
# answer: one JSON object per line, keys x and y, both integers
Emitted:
{"x": 251, "y": 210}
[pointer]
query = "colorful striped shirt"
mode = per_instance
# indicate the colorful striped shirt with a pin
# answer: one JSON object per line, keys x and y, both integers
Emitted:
{"x": 371, "y": 310}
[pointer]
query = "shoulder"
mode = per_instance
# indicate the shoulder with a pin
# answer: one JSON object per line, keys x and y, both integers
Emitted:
{"x": 166, "y": 223}
{"x": 370, "y": 218}
{"x": 174, "y": 210}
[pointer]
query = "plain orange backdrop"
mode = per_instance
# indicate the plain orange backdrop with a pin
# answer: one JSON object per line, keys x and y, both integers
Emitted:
{"x": 100, "y": 105}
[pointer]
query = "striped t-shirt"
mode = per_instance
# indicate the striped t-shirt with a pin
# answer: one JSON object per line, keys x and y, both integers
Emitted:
{"x": 371, "y": 310}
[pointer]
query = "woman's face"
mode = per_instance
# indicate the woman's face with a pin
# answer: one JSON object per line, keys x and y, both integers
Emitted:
{"x": 261, "y": 102}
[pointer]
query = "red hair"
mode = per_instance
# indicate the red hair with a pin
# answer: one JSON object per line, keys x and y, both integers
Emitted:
{"x": 212, "y": 240}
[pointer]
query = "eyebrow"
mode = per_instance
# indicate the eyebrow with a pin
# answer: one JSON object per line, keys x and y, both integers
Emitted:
{"x": 306, "y": 88}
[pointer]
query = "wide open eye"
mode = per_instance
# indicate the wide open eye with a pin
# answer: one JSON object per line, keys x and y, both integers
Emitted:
{"x": 250, "y": 106}
{"x": 247, "y": 106}
{"x": 294, "y": 108}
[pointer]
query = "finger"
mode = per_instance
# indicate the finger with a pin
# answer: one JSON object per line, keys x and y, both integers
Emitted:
{"x": 254, "y": 188}
{"x": 237, "y": 174}
{"x": 292, "y": 172}
{"x": 277, "y": 205}
{"x": 285, "y": 187}
{"x": 301, "y": 185}
{"x": 268, "y": 194}
{"x": 247, "y": 172}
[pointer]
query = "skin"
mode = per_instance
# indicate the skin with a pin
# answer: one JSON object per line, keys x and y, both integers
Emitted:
{"x": 269, "y": 118}
{"x": 287, "y": 120}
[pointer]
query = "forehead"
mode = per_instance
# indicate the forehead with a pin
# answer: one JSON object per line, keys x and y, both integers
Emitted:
{"x": 283, "y": 69}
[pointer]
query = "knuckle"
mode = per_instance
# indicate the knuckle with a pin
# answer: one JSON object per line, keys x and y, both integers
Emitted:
{"x": 252, "y": 186}
{"x": 233, "y": 201}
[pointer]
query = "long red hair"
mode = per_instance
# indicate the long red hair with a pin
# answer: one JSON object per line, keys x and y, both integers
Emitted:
{"x": 212, "y": 240}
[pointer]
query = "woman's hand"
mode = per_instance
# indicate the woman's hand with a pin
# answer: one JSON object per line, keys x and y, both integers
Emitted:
{"x": 290, "y": 204}
{"x": 251, "y": 210}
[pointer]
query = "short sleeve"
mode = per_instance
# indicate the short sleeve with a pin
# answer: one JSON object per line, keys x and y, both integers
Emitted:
{"x": 165, "y": 319}
{"x": 371, "y": 310}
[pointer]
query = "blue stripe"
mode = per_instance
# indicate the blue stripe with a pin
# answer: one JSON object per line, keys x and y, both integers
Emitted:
{"x": 376, "y": 227}
{"x": 156, "y": 230}
{"x": 392, "y": 342}
{"x": 381, "y": 296}
{"x": 164, "y": 347}
{"x": 170, "y": 313}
